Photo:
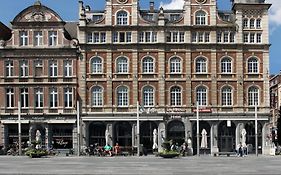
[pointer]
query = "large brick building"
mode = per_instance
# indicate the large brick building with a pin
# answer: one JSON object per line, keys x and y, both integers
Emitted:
{"x": 167, "y": 60}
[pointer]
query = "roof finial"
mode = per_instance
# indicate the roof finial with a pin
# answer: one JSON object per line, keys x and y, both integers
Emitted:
{"x": 37, "y": 3}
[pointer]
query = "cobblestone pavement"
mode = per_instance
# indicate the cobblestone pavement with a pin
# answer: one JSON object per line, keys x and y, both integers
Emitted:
{"x": 148, "y": 165}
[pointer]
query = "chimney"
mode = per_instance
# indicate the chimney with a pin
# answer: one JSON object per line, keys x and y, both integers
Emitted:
{"x": 151, "y": 6}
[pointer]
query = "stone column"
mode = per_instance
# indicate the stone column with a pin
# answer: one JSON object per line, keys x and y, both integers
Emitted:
{"x": 109, "y": 126}
{"x": 239, "y": 128}
{"x": 48, "y": 140}
{"x": 85, "y": 134}
{"x": 74, "y": 137}
{"x": 134, "y": 134}
{"x": 2, "y": 136}
{"x": 187, "y": 126}
{"x": 162, "y": 135}
{"x": 214, "y": 138}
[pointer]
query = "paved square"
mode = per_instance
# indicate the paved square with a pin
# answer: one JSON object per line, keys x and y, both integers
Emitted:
{"x": 149, "y": 165}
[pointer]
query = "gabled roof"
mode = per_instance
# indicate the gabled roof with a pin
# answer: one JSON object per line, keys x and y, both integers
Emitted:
{"x": 36, "y": 13}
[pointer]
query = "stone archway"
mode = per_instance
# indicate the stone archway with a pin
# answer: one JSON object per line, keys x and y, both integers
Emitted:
{"x": 176, "y": 131}
{"x": 202, "y": 125}
{"x": 97, "y": 133}
{"x": 250, "y": 136}
{"x": 226, "y": 137}
{"x": 123, "y": 133}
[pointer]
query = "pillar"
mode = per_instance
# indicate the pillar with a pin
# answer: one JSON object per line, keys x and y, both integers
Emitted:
{"x": 214, "y": 138}
{"x": 85, "y": 134}
{"x": 109, "y": 127}
{"x": 162, "y": 135}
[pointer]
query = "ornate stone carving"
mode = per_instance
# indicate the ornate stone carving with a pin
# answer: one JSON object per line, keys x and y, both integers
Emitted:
{"x": 2, "y": 43}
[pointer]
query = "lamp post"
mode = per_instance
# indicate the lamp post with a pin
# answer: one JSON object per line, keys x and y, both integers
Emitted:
{"x": 19, "y": 127}
{"x": 256, "y": 127}
{"x": 197, "y": 122}
{"x": 138, "y": 129}
{"x": 78, "y": 128}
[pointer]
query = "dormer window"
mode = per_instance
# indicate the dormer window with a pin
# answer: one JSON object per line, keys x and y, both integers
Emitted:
{"x": 148, "y": 17}
{"x": 174, "y": 17}
{"x": 122, "y": 18}
{"x": 97, "y": 18}
{"x": 23, "y": 38}
{"x": 200, "y": 18}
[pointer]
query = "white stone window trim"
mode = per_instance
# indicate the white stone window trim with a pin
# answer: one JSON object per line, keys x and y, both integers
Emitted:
{"x": 125, "y": 96}
{"x": 147, "y": 102}
{"x": 251, "y": 71}
{"x": 97, "y": 95}
{"x": 117, "y": 65}
{"x": 228, "y": 96}
{"x": 127, "y": 19}
{"x": 206, "y": 64}
{"x": 206, "y": 18}
{"x": 175, "y": 64}
{"x": 231, "y": 65}
{"x": 153, "y": 62}
{"x": 175, "y": 95}
{"x": 253, "y": 95}
{"x": 92, "y": 64}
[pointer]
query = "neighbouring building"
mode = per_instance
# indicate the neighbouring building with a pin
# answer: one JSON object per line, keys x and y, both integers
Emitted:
{"x": 168, "y": 60}
{"x": 275, "y": 104}
{"x": 39, "y": 70}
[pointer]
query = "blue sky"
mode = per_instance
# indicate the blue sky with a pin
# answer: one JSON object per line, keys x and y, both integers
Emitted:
{"x": 68, "y": 10}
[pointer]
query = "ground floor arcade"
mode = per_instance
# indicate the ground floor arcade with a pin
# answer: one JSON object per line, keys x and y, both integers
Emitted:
{"x": 223, "y": 134}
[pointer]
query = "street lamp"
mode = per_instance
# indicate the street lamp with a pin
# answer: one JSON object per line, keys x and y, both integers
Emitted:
{"x": 197, "y": 121}
{"x": 19, "y": 127}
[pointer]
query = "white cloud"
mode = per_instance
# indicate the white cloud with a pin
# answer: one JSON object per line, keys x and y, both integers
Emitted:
{"x": 174, "y": 4}
{"x": 275, "y": 12}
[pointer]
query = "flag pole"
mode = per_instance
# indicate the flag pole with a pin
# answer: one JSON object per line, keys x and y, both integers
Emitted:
{"x": 19, "y": 128}
{"x": 197, "y": 120}
{"x": 138, "y": 129}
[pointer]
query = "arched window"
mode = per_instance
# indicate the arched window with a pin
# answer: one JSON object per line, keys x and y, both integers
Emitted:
{"x": 122, "y": 18}
{"x": 200, "y": 18}
{"x": 253, "y": 65}
{"x": 147, "y": 65}
{"x": 96, "y": 65}
{"x": 226, "y": 96}
{"x": 176, "y": 96}
{"x": 122, "y": 96}
{"x": 253, "y": 96}
{"x": 258, "y": 23}
{"x": 148, "y": 96}
{"x": 97, "y": 96}
{"x": 245, "y": 23}
{"x": 175, "y": 65}
{"x": 122, "y": 65}
{"x": 226, "y": 66}
{"x": 201, "y": 65}
{"x": 201, "y": 96}
{"x": 252, "y": 23}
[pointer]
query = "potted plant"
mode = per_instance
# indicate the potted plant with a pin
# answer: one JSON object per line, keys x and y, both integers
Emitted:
{"x": 35, "y": 150}
{"x": 167, "y": 152}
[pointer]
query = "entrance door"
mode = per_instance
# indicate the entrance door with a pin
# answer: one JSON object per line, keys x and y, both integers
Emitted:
{"x": 123, "y": 133}
{"x": 146, "y": 135}
{"x": 226, "y": 137}
{"x": 97, "y": 133}
{"x": 176, "y": 132}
